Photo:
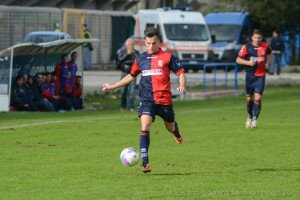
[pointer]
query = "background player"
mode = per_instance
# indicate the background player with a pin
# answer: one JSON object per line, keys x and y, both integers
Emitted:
{"x": 256, "y": 56}
{"x": 154, "y": 90}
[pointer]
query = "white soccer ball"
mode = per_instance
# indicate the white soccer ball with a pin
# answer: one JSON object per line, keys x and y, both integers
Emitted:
{"x": 129, "y": 157}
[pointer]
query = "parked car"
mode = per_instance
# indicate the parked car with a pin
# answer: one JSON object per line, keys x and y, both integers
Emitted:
{"x": 45, "y": 36}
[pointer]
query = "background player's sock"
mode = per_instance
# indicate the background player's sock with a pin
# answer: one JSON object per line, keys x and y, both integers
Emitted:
{"x": 256, "y": 108}
{"x": 144, "y": 145}
{"x": 250, "y": 108}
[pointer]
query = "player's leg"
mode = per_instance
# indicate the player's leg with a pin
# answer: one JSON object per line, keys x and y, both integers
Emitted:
{"x": 173, "y": 128}
{"x": 249, "y": 100}
{"x": 256, "y": 109}
{"x": 259, "y": 89}
{"x": 146, "y": 121}
{"x": 146, "y": 113}
{"x": 168, "y": 115}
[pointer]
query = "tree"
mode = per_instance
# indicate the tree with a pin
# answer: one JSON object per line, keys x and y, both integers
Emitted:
{"x": 274, "y": 14}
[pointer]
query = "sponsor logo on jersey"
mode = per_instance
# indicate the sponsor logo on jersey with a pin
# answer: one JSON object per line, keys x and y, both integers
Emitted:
{"x": 160, "y": 63}
{"x": 151, "y": 57}
{"x": 152, "y": 72}
{"x": 258, "y": 59}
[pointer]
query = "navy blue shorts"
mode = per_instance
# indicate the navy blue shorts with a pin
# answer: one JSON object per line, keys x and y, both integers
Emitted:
{"x": 255, "y": 84}
{"x": 152, "y": 109}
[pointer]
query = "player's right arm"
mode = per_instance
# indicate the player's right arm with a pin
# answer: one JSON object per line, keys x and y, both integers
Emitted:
{"x": 124, "y": 81}
{"x": 242, "y": 54}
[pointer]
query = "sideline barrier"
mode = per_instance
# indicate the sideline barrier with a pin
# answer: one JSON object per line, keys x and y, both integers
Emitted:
{"x": 215, "y": 67}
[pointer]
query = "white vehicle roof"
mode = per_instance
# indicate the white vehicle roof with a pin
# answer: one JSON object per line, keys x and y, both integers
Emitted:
{"x": 171, "y": 16}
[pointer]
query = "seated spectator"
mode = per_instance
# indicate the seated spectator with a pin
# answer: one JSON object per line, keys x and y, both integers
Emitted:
{"x": 33, "y": 94}
{"x": 25, "y": 78}
{"x": 78, "y": 87}
{"x": 50, "y": 91}
{"x": 19, "y": 97}
{"x": 68, "y": 91}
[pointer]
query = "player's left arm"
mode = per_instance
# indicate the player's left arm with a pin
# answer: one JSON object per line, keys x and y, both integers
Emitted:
{"x": 269, "y": 59}
{"x": 182, "y": 83}
{"x": 176, "y": 67}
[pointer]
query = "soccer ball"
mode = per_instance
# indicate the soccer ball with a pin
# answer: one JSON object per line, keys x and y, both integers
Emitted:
{"x": 129, "y": 157}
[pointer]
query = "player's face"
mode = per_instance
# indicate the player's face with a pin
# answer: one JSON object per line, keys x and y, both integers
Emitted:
{"x": 256, "y": 39}
{"x": 74, "y": 57}
{"x": 152, "y": 44}
{"x": 65, "y": 59}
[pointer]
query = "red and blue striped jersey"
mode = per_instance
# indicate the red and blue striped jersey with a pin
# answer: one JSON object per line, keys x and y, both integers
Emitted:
{"x": 155, "y": 76}
{"x": 259, "y": 54}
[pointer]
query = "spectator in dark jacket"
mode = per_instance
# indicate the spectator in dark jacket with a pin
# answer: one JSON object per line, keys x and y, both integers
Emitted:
{"x": 36, "y": 98}
{"x": 19, "y": 97}
{"x": 277, "y": 46}
{"x": 126, "y": 58}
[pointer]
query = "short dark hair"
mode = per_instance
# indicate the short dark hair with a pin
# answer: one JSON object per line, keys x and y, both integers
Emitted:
{"x": 64, "y": 55}
{"x": 256, "y": 31}
{"x": 18, "y": 77}
{"x": 75, "y": 52}
{"x": 151, "y": 32}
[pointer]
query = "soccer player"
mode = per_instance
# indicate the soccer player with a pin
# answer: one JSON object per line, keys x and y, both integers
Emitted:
{"x": 256, "y": 56}
{"x": 154, "y": 90}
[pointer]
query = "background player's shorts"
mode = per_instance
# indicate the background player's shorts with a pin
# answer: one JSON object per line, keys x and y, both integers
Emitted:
{"x": 152, "y": 109}
{"x": 255, "y": 84}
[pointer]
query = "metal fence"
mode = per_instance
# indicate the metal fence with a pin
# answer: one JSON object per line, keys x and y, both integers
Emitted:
{"x": 223, "y": 78}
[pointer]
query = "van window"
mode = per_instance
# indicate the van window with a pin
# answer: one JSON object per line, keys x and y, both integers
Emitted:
{"x": 224, "y": 32}
{"x": 186, "y": 32}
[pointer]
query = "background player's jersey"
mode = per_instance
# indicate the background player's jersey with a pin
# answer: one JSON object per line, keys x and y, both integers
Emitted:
{"x": 259, "y": 54}
{"x": 155, "y": 81}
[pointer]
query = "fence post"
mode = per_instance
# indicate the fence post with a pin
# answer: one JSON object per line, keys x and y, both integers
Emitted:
{"x": 204, "y": 79}
{"x": 215, "y": 76}
{"x": 226, "y": 77}
{"x": 235, "y": 76}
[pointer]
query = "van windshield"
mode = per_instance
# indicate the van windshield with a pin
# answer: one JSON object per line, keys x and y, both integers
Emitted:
{"x": 186, "y": 32}
{"x": 224, "y": 32}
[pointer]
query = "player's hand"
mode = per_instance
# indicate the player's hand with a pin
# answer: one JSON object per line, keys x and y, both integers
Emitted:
{"x": 182, "y": 90}
{"x": 106, "y": 87}
{"x": 267, "y": 68}
{"x": 251, "y": 61}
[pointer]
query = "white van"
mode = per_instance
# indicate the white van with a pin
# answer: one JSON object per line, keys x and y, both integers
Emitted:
{"x": 183, "y": 33}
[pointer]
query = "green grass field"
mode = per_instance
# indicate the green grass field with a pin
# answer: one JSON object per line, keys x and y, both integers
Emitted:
{"x": 75, "y": 155}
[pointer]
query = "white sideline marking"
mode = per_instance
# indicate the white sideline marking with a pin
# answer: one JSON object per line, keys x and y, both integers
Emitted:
{"x": 106, "y": 118}
{"x": 54, "y": 122}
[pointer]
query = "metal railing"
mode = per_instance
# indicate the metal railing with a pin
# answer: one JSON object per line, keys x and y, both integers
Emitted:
{"x": 213, "y": 67}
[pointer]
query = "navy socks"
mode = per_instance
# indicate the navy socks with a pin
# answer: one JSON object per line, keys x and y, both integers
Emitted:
{"x": 256, "y": 109}
{"x": 250, "y": 108}
{"x": 144, "y": 145}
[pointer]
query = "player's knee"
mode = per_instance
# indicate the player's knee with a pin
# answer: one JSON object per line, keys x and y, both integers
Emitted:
{"x": 146, "y": 126}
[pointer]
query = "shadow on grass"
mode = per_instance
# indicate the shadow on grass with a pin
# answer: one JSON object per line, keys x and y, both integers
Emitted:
{"x": 275, "y": 170}
{"x": 229, "y": 171}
